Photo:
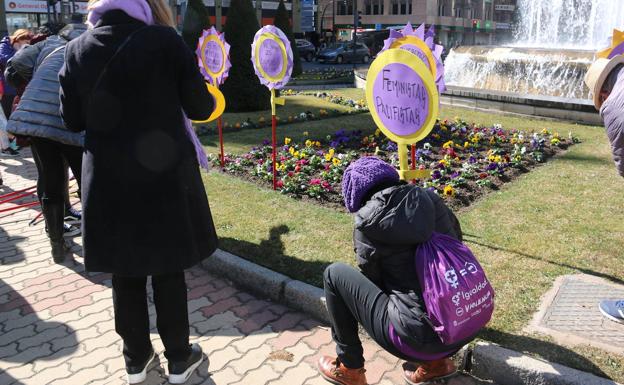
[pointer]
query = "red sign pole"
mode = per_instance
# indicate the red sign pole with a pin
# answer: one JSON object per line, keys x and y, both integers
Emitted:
{"x": 274, "y": 127}
{"x": 220, "y": 128}
{"x": 413, "y": 157}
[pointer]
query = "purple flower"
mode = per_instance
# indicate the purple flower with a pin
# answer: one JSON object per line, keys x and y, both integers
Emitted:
{"x": 492, "y": 166}
{"x": 436, "y": 174}
{"x": 266, "y": 142}
{"x": 455, "y": 175}
{"x": 472, "y": 159}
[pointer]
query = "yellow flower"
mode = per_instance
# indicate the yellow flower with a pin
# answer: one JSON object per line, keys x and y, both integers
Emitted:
{"x": 328, "y": 157}
{"x": 317, "y": 144}
{"x": 336, "y": 161}
{"x": 377, "y": 132}
{"x": 475, "y": 139}
{"x": 277, "y": 166}
{"x": 444, "y": 162}
{"x": 449, "y": 191}
{"x": 306, "y": 133}
{"x": 332, "y": 152}
{"x": 308, "y": 143}
{"x": 466, "y": 144}
{"x": 448, "y": 144}
{"x": 492, "y": 140}
{"x": 287, "y": 141}
{"x": 291, "y": 150}
{"x": 296, "y": 154}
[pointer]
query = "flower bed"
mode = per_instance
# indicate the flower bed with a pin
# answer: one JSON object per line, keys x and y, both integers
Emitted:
{"x": 325, "y": 74}
{"x": 466, "y": 160}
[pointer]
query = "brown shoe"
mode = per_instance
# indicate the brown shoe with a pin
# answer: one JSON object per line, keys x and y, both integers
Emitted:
{"x": 335, "y": 372}
{"x": 429, "y": 371}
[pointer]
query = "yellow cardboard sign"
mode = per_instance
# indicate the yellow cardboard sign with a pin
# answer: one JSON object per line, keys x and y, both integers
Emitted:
{"x": 219, "y": 104}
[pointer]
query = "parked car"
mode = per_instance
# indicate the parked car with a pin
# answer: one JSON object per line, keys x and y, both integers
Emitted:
{"x": 306, "y": 49}
{"x": 342, "y": 52}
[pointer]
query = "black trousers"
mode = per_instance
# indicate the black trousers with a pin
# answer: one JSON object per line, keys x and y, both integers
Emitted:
{"x": 132, "y": 317}
{"x": 7, "y": 104}
{"x": 52, "y": 158}
{"x": 352, "y": 298}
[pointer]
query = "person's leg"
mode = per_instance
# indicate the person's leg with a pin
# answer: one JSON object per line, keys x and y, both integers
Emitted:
{"x": 73, "y": 158}
{"x": 132, "y": 318}
{"x": 172, "y": 314}
{"x": 7, "y": 104}
{"x": 49, "y": 162}
{"x": 351, "y": 299}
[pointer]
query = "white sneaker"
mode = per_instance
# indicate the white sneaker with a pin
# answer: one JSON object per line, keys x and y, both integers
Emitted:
{"x": 613, "y": 310}
{"x": 179, "y": 372}
{"x": 137, "y": 375}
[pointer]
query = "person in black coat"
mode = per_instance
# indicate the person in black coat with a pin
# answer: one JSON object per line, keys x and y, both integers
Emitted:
{"x": 128, "y": 83}
{"x": 391, "y": 219}
{"x": 37, "y": 116}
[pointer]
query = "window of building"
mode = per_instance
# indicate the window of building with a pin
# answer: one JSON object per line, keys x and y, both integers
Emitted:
{"x": 373, "y": 7}
{"x": 401, "y": 7}
{"x": 344, "y": 9}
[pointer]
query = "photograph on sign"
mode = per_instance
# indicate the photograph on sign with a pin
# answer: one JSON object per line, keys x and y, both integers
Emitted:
{"x": 272, "y": 57}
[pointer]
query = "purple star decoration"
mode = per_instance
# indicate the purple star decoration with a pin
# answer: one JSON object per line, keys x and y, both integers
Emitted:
{"x": 209, "y": 54}
{"x": 271, "y": 58}
{"x": 427, "y": 37}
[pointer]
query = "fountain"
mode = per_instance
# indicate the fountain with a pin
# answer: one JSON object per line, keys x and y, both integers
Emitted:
{"x": 555, "y": 44}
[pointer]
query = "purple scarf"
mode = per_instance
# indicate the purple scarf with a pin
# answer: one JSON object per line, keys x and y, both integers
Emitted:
{"x": 140, "y": 10}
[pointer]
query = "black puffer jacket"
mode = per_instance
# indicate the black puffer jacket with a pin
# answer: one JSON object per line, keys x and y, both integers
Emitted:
{"x": 388, "y": 230}
{"x": 38, "y": 112}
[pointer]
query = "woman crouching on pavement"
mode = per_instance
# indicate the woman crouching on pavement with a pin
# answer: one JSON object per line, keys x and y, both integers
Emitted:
{"x": 391, "y": 219}
{"x": 128, "y": 82}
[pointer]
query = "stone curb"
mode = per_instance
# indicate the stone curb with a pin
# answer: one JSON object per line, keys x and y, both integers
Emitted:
{"x": 267, "y": 283}
{"x": 484, "y": 360}
{"x": 508, "y": 367}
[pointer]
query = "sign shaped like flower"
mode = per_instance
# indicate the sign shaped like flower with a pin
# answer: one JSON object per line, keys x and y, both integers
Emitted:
{"x": 272, "y": 57}
{"x": 403, "y": 100}
{"x": 616, "y": 48}
{"x": 213, "y": 54}
{"x": 421, "y": 44}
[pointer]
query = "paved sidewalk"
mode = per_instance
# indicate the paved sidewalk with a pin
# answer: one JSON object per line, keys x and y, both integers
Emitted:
{"x": 56, "y": 321}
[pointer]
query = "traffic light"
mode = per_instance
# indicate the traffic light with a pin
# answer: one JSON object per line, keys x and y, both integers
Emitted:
{"x": 475, "y": 25}
{"x": 359, "y": 19}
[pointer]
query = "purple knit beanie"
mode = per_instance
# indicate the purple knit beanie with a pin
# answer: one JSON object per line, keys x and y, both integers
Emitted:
{"x": 362, "y": 175}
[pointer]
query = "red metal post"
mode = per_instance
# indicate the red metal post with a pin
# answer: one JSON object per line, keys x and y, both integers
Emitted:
{"x": 413, "y": 157}
{"x": 274, "y": 127}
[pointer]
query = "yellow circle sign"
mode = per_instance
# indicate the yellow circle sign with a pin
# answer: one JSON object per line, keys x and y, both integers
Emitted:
{"x": 213, "y": 56}
{"x": 271, "y": 57}
{"x": 402, "y": 96}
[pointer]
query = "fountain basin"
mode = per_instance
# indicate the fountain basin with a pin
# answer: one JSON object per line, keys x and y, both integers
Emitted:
{"x": 537, "y": 71}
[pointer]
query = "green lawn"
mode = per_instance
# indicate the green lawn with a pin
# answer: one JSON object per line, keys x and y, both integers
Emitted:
{"x": 564, "y": 217}
{"x": 295, "y": 105}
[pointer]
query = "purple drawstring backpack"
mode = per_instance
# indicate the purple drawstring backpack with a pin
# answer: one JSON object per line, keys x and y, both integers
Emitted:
{"x": 457, "y": 295}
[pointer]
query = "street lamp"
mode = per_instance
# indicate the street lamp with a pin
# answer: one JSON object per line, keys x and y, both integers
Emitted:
{"x": 333, "y": 13}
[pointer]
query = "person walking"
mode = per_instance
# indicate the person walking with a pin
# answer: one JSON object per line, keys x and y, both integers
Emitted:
{"x": 391, "y": 219}
{"x": 605, "y": 80}
{"x": 9, "y": 45}
{"x": 130, "y": 82}
{"x": 37, "y": 116}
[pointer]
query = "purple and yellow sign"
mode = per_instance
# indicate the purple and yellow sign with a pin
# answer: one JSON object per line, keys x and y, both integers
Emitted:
{"x": 402, "y": 96}
{"x": 272, "y": 57}
{"x": 616, "y": 48}
{"x": 213, "y": 54}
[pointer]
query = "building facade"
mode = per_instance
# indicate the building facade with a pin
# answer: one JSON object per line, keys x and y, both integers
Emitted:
{"x": 457, "y": 22}
{"x": 31, "y": 14}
